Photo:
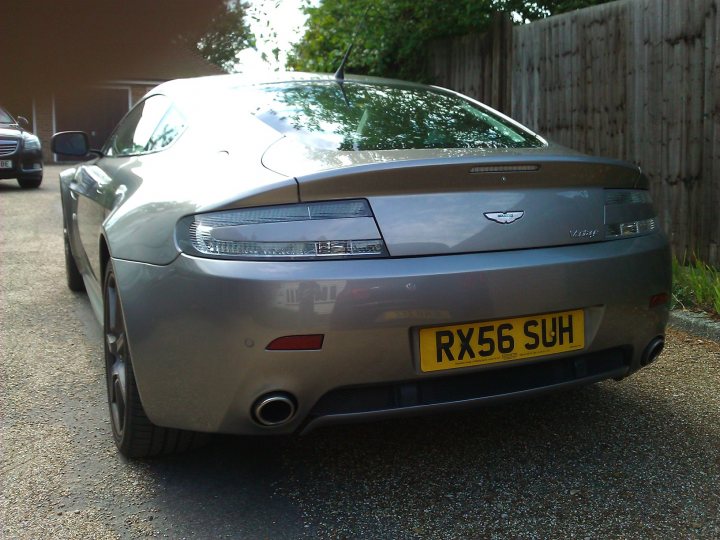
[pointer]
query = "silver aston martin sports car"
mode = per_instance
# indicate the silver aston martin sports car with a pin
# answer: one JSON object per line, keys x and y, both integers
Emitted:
{"x": 273, "y": 256}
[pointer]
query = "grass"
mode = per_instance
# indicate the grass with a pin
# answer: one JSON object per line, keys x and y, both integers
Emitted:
{"x": 696, "y": 285}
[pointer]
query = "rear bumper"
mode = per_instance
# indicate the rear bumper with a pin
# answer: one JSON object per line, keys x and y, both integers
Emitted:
{"x": 459, "y": 391}
{"x": 198, "y": 329}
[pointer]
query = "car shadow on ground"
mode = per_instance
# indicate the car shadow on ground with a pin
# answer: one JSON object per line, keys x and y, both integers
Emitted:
{"x": 608, "y": 447}
{"x": 11, "y": 185}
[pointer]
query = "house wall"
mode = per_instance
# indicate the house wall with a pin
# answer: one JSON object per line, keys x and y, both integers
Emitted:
{"x": 43, "y": 123}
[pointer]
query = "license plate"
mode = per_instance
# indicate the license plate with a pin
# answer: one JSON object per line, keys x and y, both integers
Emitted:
{"x": 490, "y": 342}
{"x": 5, "y": 164}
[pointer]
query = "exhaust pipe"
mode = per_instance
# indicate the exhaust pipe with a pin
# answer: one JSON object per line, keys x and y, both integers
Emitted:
{"x": 274, "y": 409}
{"x": 652, "y": 351}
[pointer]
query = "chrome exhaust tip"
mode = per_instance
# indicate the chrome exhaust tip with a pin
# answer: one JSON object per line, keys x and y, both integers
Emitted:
{"x": 274, "y": 409}
{"x": 652, "y": 351}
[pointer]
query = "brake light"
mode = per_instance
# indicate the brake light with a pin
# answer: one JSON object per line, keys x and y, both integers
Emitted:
{"x": 332, "y": 229}
{"x": 628, "y": 212}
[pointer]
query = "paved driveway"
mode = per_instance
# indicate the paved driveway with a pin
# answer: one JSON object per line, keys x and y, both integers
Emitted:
{"x": 639, "y": 458}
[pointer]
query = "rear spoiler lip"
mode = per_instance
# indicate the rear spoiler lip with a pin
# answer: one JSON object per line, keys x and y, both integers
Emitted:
{"x": 461, "y": 174}
{"x": 471, "y": 161}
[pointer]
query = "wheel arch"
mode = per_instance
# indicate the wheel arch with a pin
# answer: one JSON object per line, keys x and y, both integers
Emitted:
{"x": 104, "y": 256}
{"x": 66, "y": 177}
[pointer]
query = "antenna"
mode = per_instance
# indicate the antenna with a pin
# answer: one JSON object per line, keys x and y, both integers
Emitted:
{"x": 340, "y": 73}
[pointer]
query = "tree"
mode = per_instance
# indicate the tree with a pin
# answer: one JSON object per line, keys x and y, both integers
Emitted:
{"x": 228, "y": 34}
{"x": 391, "y": 36}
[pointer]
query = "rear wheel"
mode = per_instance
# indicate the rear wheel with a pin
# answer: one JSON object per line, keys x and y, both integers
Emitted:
{"x": 135, "y": 435}
{"x": 30, "y": 182}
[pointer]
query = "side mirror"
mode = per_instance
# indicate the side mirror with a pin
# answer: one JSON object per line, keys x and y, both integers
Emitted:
{"x": 23, "y": 122}
{"x": 70, "y": 143}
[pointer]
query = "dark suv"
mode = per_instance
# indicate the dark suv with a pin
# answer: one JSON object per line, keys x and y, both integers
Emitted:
{"x": 20, "y": 152}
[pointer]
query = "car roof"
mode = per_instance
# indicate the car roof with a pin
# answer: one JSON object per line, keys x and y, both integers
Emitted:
{"x": 182, "y": 89}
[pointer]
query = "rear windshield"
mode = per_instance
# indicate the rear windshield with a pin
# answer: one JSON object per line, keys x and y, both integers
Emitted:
{"x": 358, "y": 116}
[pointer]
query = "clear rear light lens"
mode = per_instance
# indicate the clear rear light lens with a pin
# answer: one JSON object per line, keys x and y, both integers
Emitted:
{"x": 628, "y": 212}
{"x": 322, "y": 230}
{"x": 633, "y": 228}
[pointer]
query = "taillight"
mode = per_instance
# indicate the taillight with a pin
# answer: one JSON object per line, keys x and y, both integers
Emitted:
{"x": 628, "y": 212}
{"x": 317, "y": 230}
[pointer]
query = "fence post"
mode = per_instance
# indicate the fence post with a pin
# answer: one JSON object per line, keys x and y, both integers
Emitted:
{"x": 501, "y": 50}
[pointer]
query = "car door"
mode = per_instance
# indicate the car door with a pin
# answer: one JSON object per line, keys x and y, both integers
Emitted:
{"x": 100, "y": 185}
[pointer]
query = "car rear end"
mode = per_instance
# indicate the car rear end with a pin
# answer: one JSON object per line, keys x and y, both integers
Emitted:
{"x": 400, "y": 283}
{"x": 443, "y": 308}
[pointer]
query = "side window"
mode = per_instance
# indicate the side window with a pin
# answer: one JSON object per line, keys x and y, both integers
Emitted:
{"x": 172, "y": 125}
{"x": 150, "y": 126}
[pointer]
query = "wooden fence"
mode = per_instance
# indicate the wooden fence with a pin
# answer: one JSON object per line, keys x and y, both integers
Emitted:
{"x": 632, "y": 79}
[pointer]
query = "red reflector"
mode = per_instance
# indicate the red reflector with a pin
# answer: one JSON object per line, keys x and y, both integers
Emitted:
{"x": 310, "y": 342}
{"x": 659, "y": 299}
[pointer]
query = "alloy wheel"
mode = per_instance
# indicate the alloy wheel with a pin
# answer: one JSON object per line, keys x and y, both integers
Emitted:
{"x": 116, "y": 356}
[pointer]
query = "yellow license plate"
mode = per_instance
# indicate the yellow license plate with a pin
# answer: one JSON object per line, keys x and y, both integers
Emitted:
{"x": 489, "y": 342}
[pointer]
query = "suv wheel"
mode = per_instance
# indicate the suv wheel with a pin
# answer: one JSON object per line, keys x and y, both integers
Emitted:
{"x": 30, "y": 182}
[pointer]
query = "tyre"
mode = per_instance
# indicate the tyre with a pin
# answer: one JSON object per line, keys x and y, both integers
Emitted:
{"x": 30, "y": 182}
{"x": 135, "y": 435}
{"x": 74, "y": 278}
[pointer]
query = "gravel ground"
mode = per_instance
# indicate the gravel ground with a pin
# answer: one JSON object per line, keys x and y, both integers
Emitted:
{"x": 639, "y": 458}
